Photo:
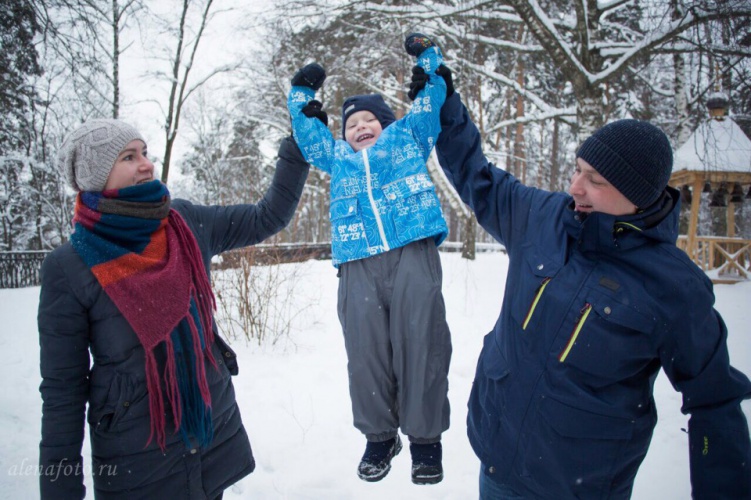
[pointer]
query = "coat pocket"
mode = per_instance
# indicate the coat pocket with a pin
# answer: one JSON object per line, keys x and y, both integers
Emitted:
{"x": 413, "y": 206}
{"x": 488, "y": 399}
{"x": 559, "y": 450}
{"x": 347, "y": 227}
{"x": 126, "y": 399}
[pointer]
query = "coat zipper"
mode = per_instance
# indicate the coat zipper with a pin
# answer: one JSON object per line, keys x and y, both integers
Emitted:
{"x": 538, "y": 294}
{"x": 579, "y": 325}
{"x": 373, "y": 206}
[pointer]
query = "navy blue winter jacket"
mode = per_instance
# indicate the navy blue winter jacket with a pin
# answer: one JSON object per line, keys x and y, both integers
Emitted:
{"x": 562, "y": 403}
{"x": 89, "y": 355}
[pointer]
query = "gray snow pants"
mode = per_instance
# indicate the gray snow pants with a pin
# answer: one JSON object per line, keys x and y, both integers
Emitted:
{"x": 398, "y": 343}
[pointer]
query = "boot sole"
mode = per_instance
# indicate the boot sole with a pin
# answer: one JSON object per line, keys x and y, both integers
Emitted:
{"x": 427, "y": 479}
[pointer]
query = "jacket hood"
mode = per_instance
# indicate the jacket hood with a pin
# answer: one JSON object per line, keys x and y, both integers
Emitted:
{"x": 598, "y": 232}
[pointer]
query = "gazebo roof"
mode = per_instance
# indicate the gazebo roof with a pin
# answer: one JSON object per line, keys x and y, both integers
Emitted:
{"x": 715, "y": 146}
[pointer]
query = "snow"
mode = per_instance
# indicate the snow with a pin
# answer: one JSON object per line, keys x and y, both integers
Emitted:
{"x": 715, "y": 146}
{"x": 295, "y": 403}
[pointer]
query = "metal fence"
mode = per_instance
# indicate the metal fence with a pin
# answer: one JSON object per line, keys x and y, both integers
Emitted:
{"x": 20, "y": 269}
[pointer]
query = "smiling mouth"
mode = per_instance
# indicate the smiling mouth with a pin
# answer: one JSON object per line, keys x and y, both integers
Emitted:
{"x": 364, "y": 137}
{"x": 144, "y": 181}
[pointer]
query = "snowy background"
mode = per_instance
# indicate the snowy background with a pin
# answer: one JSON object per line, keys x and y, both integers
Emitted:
{"x": 295, "y": 401}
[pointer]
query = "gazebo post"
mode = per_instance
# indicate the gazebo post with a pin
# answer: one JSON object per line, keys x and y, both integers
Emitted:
{"x": 694, "y": 220}
{"x": 731, "y": 219}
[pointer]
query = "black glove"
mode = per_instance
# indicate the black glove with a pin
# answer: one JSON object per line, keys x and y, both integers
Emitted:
{"x": 313, "y": 110}
{"x": 416, "y": 43}
{"x": 420, "y": 79}
{"x": 311, "y": 76}
{"x": 445, "y": 73}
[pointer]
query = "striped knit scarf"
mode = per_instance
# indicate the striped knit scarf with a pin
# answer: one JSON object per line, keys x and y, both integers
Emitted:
{"x": 148, "y": 262}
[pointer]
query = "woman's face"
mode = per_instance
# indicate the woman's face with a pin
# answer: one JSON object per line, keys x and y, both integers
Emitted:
{"x": 362, "y": 130}
{"x": 132, "y": 167}
{"x": 592, "y": 193}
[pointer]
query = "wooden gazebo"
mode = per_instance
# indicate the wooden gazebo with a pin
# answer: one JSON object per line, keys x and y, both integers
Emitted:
{"x": 716, "y": 158}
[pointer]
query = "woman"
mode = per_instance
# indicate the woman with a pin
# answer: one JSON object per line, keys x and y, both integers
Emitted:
{"x": 132, "y": 288}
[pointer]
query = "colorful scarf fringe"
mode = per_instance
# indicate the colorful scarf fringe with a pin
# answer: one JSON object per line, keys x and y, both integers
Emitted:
{"x": 148, "y": 262}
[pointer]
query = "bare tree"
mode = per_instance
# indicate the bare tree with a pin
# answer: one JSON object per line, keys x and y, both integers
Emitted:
{"x": 87, "y": 35}
{"x": 186, "y": 37}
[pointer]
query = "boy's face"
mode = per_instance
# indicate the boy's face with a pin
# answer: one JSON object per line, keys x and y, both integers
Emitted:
{"x": 593, "y": 193}
{"x": 362, "y": 130}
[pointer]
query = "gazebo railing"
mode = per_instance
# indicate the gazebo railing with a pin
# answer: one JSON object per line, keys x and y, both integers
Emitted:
{"x": 726, "y": 260}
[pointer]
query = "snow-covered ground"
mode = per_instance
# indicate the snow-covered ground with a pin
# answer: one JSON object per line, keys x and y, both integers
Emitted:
{"x": 295, "y": 402}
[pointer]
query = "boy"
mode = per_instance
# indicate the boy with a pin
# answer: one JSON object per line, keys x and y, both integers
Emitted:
{"x": 386, "y": 225}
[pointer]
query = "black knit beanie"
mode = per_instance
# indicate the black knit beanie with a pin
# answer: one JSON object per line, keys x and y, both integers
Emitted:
{"x": 367, "y": 102}
{"x": 634, "y": 156}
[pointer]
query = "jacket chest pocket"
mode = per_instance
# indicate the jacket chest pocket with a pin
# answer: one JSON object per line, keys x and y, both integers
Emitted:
{"x": 608, "y": 339}
{"x": 532, "y": 292}
{"x": 410, "y": 200}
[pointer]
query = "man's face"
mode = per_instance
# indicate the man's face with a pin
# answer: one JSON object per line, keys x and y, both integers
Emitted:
{"x": 362, "y": 130}
{"x": 592, "y": 193}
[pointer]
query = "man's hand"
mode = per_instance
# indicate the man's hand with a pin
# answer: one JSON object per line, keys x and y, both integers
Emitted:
{"x": 314, "y": 110}
{"x": 420, "y": 79}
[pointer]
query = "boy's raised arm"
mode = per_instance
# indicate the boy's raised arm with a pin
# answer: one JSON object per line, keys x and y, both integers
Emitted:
{"x": 309, "y": 121}
{"x": 424, "y": 117}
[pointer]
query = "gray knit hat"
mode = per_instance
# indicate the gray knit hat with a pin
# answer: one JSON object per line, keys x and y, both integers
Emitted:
{"x": 88, "y": 154}
{"x": 634, "y": 156}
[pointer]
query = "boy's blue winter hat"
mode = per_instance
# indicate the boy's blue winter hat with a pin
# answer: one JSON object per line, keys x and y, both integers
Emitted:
{"x": 367, "y": 102}
{"x": 632, "y": 155}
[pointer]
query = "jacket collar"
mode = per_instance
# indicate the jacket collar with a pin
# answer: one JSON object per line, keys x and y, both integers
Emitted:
{"x": 599, "y": 232}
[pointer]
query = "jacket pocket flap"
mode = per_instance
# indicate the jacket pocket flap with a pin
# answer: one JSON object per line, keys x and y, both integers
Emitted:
{"x": 581, "y": 424}
{"x": 539, "y": 264}
{"x": 343, "y": 207}
{"x": 493, "y": 361}
{"x": 610, "y": 309}
{"x": 409, "y": 186}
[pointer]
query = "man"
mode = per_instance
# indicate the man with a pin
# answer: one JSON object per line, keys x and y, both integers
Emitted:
{"x": 598, "y": 299}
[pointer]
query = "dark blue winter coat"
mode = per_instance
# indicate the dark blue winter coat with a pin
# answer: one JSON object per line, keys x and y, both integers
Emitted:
{"x": 90, "y": 355}
{"x": 562, "y": 403}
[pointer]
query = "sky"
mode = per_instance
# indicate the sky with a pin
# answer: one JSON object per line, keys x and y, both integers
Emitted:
{"x": 294, "y": 399}
{"x": 231, "y": 36}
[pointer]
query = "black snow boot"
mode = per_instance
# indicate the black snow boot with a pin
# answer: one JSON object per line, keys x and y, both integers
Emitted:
{"x": 376, "y": 462}
{"x": 426, "y": 463}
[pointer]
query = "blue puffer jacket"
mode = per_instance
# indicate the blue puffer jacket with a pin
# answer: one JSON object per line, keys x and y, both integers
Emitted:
{"x": 562, "y": 404}
{"x": 90, "y": 356}
{"x": 381, "y": 197}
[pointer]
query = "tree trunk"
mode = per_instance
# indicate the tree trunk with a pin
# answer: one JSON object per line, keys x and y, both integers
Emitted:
{"x": 469, "y": 238}
{"x": 555, "y": 166}
{"x": 682, "y": 129}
